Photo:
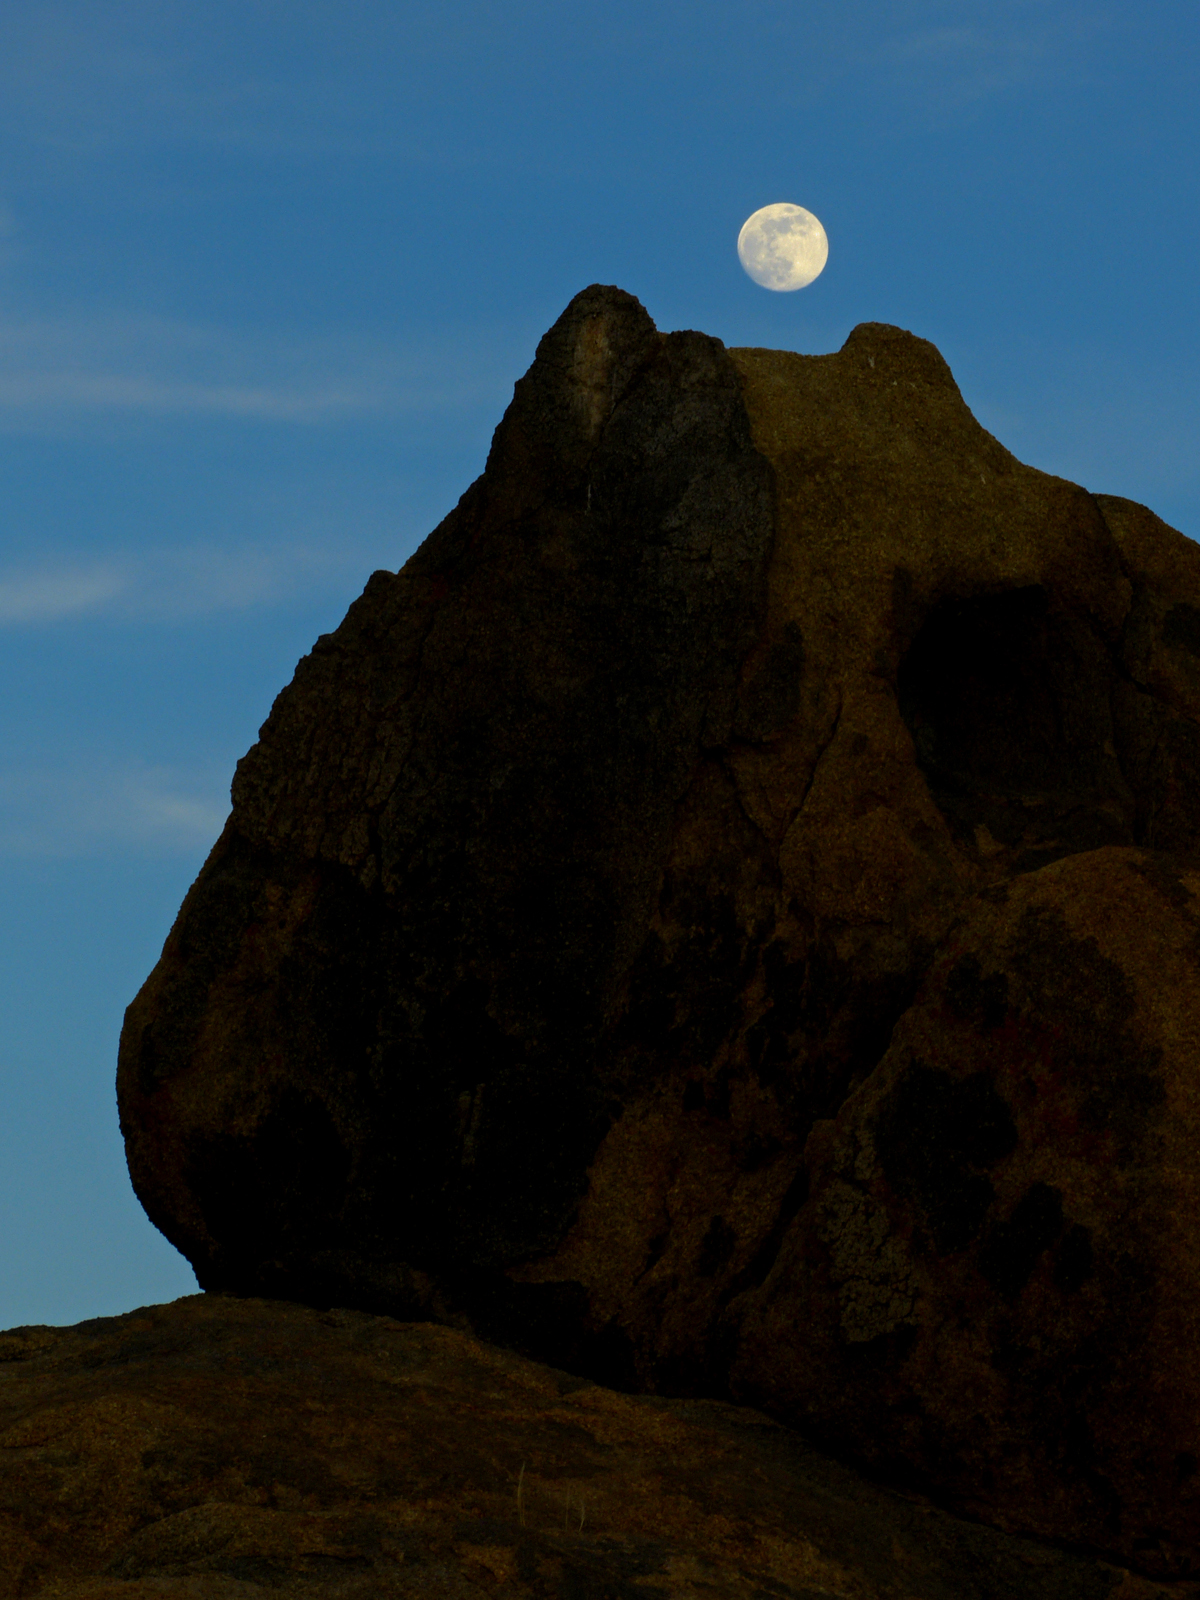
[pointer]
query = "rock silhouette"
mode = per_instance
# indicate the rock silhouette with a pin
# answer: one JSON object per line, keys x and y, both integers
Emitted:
{"x": 720, "y": 920}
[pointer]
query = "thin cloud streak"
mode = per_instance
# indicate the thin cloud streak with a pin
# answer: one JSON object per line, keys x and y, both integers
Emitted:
{"x": 173, "y": 585}
{"x": 352, "y": 81}
{"x": 152, "y": 366}
{"x": 960, "y": 63}
{"x": 49, "y": 596}
{"x": 97, "y": 810}
{"x": 100, "y": 391}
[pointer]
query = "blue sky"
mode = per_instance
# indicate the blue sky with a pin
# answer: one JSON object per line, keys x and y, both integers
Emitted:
{"x": 267, "y": 275}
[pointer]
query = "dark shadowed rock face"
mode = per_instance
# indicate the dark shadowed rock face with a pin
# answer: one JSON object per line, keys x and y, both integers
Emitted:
{"x": 998, "y": 1254}
{"x": 386, "y": 1037}
{"x": 554, "y": 971}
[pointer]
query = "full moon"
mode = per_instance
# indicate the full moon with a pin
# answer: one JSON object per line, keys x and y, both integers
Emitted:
{"x": 783, "y": 246}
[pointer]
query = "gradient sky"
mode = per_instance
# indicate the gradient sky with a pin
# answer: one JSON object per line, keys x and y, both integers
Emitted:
{"x": 268, "y": 273}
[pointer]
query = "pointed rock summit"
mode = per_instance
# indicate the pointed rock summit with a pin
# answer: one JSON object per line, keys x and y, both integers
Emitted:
{"x": 724, "y": 919}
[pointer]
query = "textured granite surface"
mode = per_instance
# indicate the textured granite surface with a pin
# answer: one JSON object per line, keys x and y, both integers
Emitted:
{"x": 233, "y": 1449}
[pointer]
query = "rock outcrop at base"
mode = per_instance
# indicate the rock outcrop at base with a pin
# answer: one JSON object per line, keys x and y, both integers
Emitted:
{"x": 720, "y": 920}
{"x": 222, "y": 1449}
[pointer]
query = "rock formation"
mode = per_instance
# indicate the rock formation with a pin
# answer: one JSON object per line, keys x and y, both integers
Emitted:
{"x": 720, "y": 920}
{"x": 222, "y": 1449}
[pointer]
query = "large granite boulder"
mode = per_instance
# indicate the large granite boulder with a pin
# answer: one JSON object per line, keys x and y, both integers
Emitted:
{"x": 617, "y": 900}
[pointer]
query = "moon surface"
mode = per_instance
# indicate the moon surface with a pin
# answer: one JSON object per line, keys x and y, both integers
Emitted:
{"x": 783, "y": 246}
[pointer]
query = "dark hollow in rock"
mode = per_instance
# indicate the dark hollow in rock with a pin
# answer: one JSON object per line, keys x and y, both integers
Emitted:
{"x": 584, "y": 879}
{"x": 1010, "y": 707}
{"x": 936, "y": 1139}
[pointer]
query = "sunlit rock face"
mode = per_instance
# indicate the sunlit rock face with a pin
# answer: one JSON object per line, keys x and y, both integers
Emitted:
{"x": 719, "y": 920}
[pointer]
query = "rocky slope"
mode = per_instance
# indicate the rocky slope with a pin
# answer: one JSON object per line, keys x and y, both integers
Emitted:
{"x": 721, "y": 920}
{"x": 234, "y": 1449}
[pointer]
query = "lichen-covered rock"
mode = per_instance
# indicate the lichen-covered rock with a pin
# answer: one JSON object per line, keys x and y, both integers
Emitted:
{"x": 577, "y": 884}
{"x": 225, "y": 1449}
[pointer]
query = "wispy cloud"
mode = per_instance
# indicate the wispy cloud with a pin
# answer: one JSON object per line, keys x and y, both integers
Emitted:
{"x": 977, "y": 52}
{"x": 89, "y": 391}
{"x": 78, "y": 365}
{"x": 98, "y": 809}
{"x": 969, "y": 63}
{"x": 82, "y": 77}
{"x": 168, "y": 585}
{"x": 48, "y": 596}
